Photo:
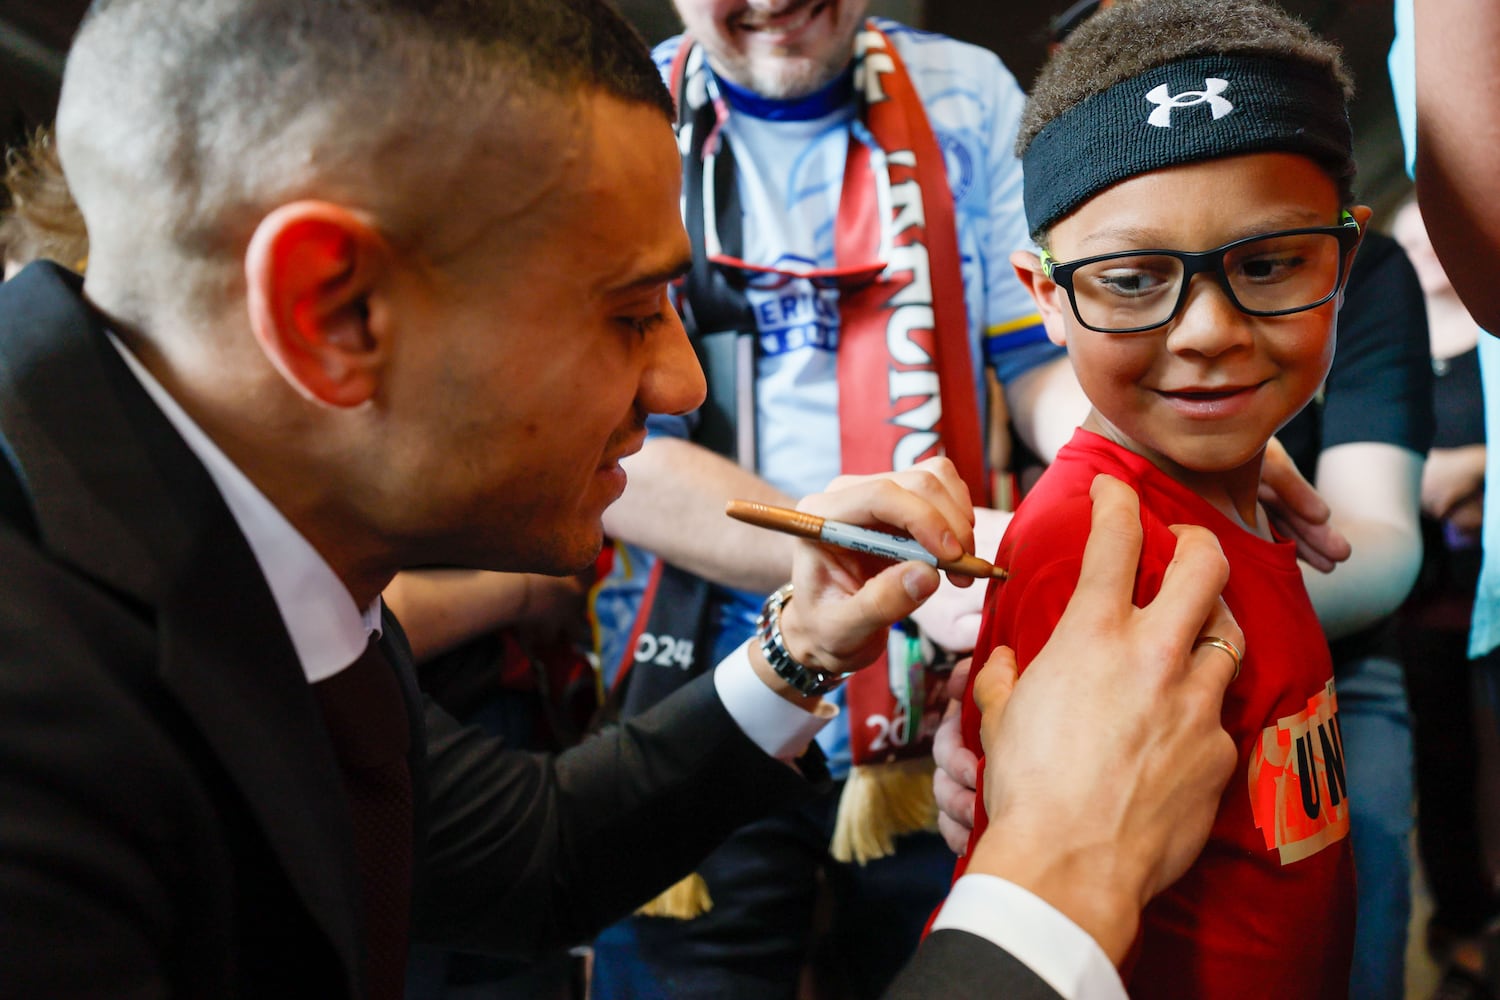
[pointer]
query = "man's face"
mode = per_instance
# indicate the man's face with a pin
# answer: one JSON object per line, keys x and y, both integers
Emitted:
{"x": 776, "y": 48}
{"x": 536, "y": 345}
{"x": 1206, "y": 390}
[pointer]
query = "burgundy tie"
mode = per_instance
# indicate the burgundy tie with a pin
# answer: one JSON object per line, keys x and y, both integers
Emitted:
{"x": 367, "y": 721}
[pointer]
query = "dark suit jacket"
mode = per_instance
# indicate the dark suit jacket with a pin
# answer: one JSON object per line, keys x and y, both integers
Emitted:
{"x": 172, "y": 819}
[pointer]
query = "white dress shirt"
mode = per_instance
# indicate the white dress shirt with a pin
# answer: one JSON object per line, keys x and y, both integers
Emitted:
{"x": 327, "y": 628}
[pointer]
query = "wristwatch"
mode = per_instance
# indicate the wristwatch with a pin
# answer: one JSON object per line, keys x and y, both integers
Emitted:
{"x": 808, "y": 681}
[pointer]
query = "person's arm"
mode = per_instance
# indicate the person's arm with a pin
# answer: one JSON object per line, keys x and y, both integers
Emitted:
{"x": 1369, "y": 433}
{"x": 1458, "y": 144}
{"x": 1453, "y": 485}
{"x": 1046, "y": 406}
{"x": 1373, "y": 490}
{"x": 443, "y": 608}
{"x": 674, "y": 506}
{"x": 525, "y": 852}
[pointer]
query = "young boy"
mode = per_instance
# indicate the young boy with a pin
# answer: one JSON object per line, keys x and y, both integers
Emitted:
{"x": 1188, "y": 171}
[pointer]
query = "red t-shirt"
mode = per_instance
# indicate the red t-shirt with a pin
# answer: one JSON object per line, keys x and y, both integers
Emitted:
{"x": 1268, "y": 908}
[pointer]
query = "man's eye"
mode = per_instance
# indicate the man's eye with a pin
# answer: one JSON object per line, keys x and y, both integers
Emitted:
{"x": 643, "y": 324}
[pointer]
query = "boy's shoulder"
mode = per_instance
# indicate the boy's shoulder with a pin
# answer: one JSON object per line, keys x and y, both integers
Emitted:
{"x": 1046, "y": 538}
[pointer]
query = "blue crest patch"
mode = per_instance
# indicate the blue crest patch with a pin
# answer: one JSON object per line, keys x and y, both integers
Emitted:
{"x": 959, "y": 163}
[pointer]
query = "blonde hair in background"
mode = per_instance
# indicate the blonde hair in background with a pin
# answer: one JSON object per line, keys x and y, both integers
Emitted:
{"x": 41, "y": 220}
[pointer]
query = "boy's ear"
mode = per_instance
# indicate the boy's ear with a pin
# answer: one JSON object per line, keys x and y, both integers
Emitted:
{"x": 1044, "y": 292}
{"x": 1362, "y": 215}
{"x": 311, "y": 269}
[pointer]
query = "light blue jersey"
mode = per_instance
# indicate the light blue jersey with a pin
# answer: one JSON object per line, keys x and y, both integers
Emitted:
{"x": 789, "y": 159}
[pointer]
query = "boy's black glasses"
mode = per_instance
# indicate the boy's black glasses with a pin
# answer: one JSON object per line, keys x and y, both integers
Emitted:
{"x": 1268, "y": 275}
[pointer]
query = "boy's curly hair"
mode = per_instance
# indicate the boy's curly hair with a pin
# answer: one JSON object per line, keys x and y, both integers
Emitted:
{"x": 1133, "y": 36}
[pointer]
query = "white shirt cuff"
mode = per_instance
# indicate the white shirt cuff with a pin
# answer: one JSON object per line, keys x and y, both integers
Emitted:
{"x": 774, "y": 724}
{"x": 1034, "y": 933}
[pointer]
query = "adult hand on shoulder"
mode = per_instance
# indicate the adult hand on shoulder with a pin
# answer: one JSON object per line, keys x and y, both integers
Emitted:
{"x": 1297, "y": 511}
{"x": 843, "y": 601}
{"x": 1107, "y": 760}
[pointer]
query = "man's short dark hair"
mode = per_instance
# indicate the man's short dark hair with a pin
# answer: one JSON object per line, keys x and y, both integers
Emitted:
{"x": 182, "y": 122}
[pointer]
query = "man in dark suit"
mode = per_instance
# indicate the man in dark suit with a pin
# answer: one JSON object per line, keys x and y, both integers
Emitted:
{"x": 379, "y": 284}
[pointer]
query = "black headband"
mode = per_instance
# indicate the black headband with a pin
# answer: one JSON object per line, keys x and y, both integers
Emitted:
{"x": 1195, "y": 109}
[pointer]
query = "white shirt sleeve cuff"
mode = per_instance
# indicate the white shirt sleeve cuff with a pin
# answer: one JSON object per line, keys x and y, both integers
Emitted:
{"x": 774, "y": 724}
{"x": 1034, "y": 933}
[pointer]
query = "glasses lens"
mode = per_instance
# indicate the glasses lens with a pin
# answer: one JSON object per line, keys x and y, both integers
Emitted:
{"x": 1127, "y": 293}
{"x": 1284, "y": 273}
{"x": 1278, "y": 273}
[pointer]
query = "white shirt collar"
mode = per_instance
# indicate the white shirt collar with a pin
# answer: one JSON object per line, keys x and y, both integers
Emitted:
{"x": 327, "y": 629}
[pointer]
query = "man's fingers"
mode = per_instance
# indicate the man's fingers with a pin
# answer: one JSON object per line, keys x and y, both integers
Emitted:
{"x": 1217, "y": 659}
{"x": 1106, "y": 578}
{"x": 1190, "y": 588}
{"x": 831, "y": 632}
{"x": 992, "y": 690}
{"x": 914, "y": 502}
{"x": 1219, "y": 662}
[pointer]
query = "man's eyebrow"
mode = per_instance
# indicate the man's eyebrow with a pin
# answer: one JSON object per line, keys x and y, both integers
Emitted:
{"x": 661, "y": 276}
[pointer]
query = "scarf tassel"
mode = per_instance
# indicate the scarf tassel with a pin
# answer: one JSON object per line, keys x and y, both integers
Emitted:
{"x": 879, "y": 803}
{"x": 687, "y": 899}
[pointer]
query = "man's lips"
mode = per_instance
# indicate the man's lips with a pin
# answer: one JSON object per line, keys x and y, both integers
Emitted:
{"x": 636, "y": 442}
{"x": 785, "y": 21}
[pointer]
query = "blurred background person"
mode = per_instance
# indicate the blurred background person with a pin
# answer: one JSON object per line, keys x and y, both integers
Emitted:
{"x": 40, "y": 221}
{"x": 1441, "y": 679}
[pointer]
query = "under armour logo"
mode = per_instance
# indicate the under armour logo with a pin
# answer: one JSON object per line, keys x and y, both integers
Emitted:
{"x": 1166, "y": 101}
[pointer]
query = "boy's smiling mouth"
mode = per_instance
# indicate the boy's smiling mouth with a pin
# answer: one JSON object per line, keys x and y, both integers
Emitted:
{"x": 1206, "y": 393}
{"x": 1210, "y": 402}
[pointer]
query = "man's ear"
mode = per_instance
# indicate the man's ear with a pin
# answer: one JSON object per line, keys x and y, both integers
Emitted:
{"x": 1044, "y": 292}
{"x": 310, "y": 271}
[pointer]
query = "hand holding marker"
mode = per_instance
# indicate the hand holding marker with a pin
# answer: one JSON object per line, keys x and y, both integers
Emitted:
{"x": 855, "y": 538}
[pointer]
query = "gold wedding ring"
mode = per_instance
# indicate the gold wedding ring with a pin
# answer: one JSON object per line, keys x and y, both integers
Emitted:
{"x": 1220, "y": 643}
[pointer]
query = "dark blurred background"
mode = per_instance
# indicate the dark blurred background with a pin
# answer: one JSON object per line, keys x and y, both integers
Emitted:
{"x": 34, "y": 40}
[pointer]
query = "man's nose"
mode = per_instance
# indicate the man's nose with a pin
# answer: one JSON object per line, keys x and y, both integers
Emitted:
{"x": 673, "y": 380}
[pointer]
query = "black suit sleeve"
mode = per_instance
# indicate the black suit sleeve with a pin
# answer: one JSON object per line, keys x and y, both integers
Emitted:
{"x": 954, "y": 965}
{"x": 530, "y": 851}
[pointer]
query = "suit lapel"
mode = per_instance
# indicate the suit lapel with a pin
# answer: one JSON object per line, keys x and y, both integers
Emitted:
{"x": 119, "y": 496}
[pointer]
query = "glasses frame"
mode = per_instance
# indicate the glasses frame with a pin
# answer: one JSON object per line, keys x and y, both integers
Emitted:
{"x": 1207, "y": 262}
